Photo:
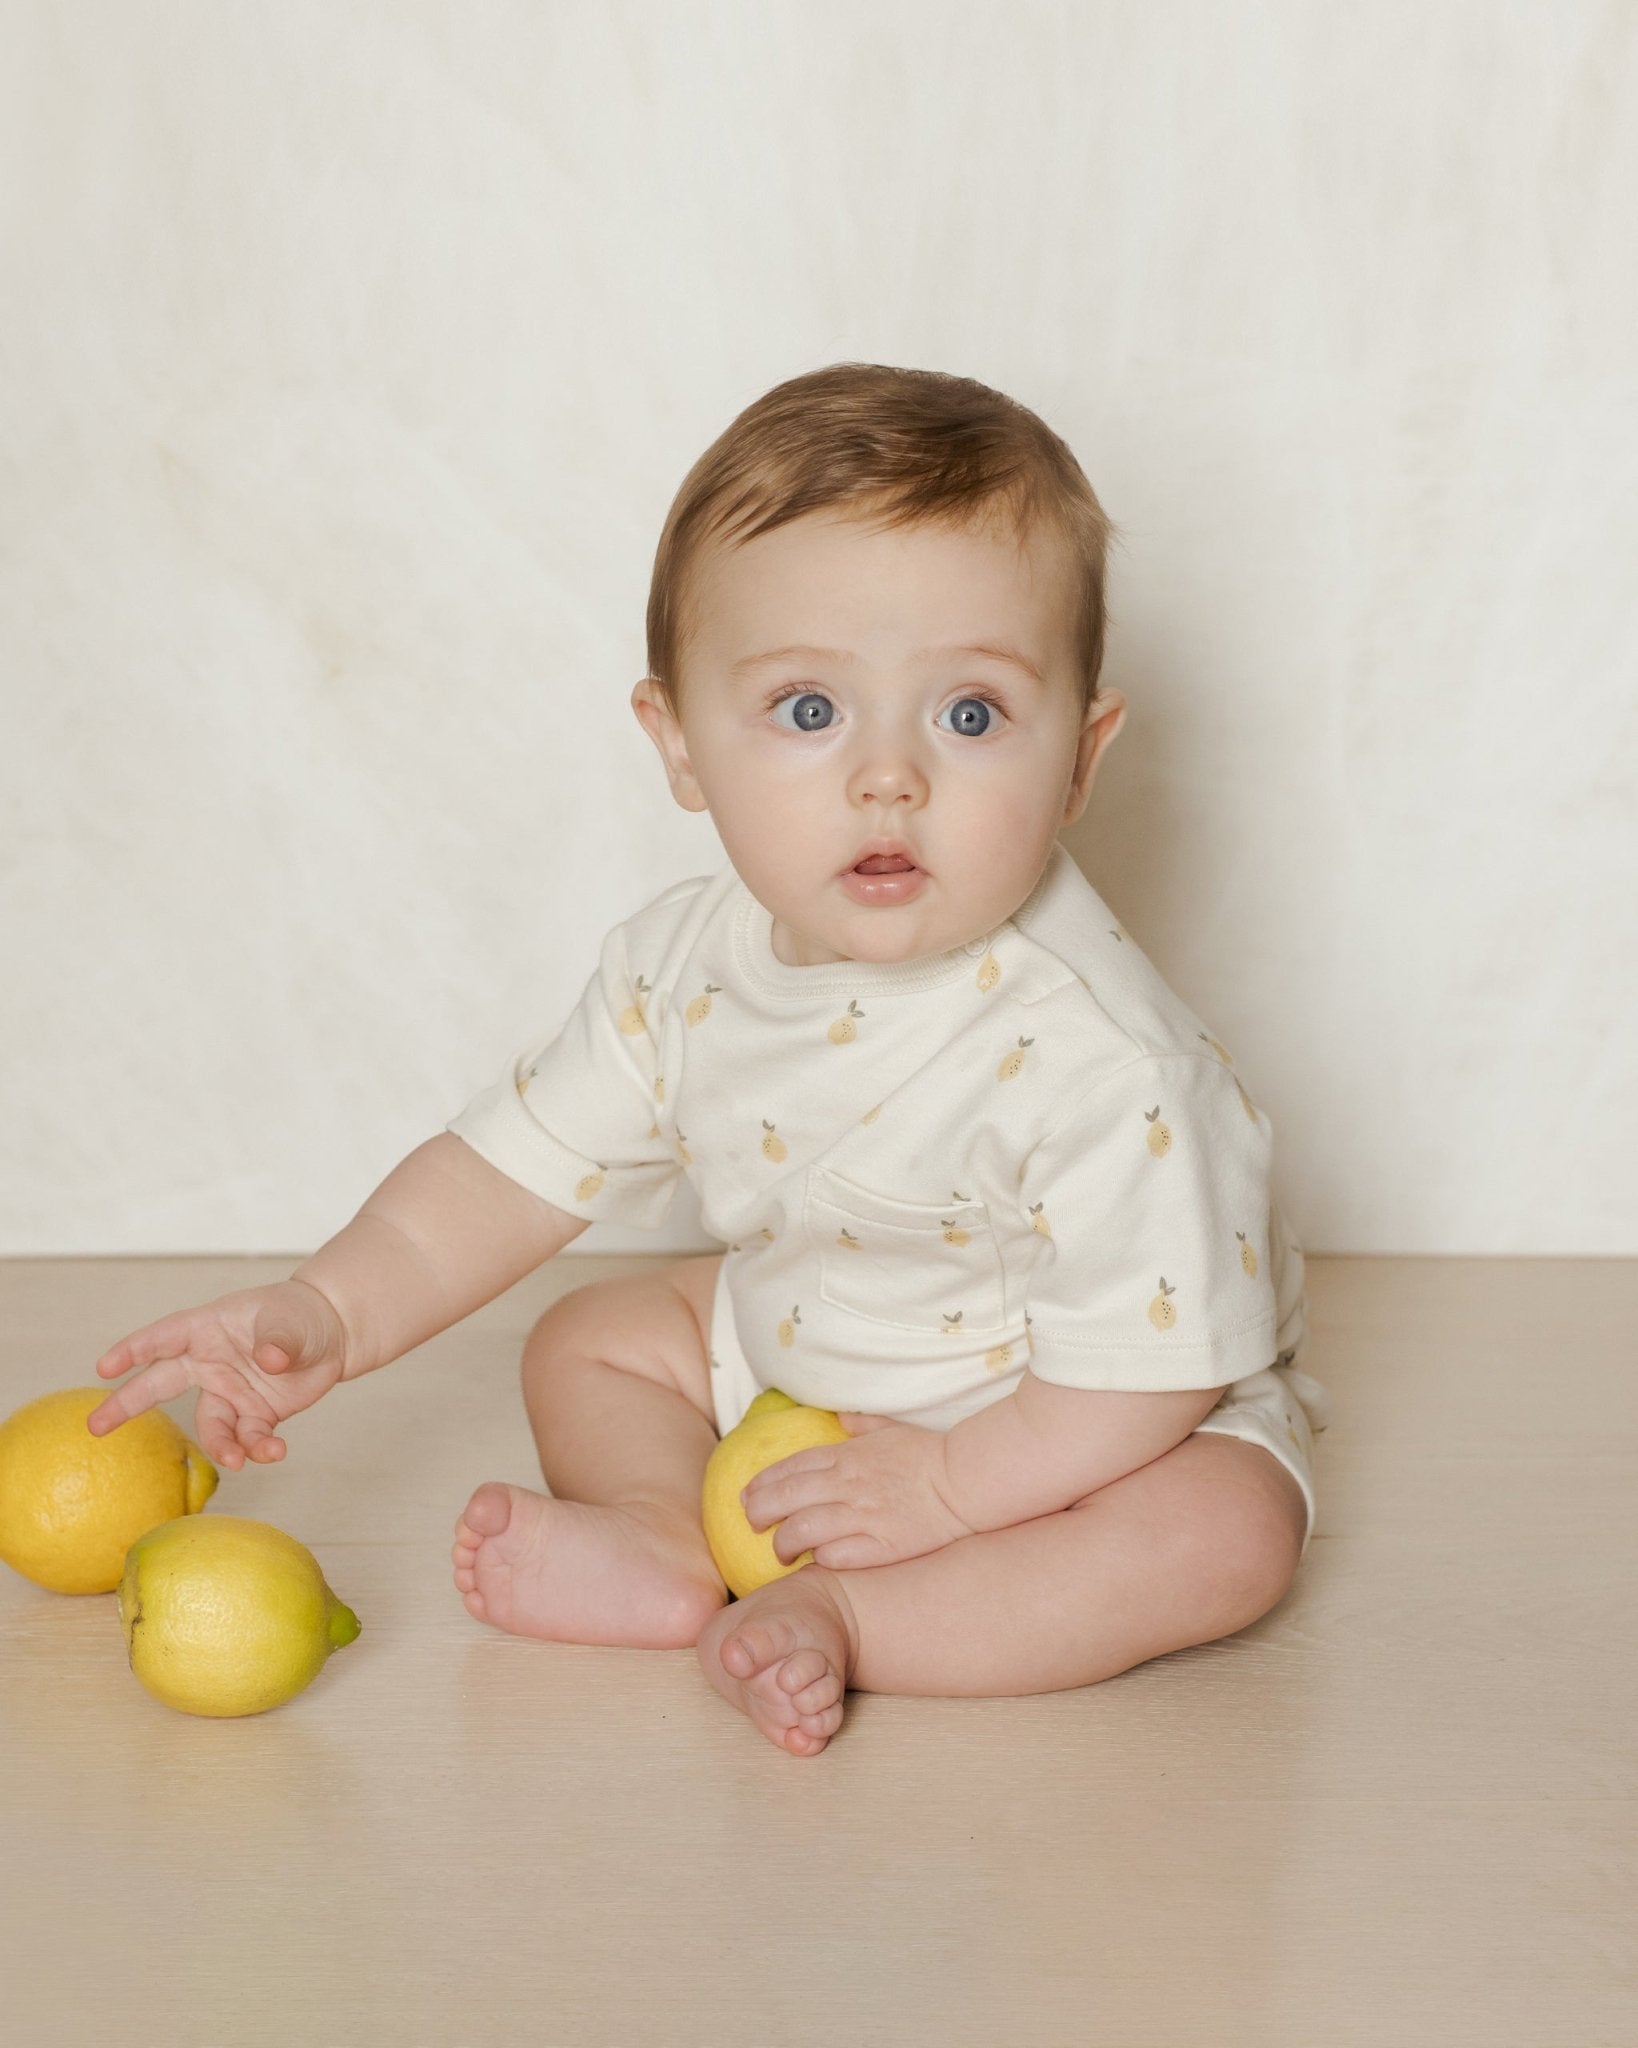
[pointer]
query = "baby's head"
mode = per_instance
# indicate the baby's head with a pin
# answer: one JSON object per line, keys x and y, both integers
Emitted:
{"x": 877, "y": 613}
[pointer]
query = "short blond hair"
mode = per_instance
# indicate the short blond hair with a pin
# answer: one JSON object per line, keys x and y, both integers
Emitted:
{"x": 895, "y": 448}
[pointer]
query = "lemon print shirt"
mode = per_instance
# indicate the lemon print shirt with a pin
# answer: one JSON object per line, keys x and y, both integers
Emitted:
{"x": 929, "y": 1174}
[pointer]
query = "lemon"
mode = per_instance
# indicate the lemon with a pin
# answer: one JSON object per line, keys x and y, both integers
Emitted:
{"x": 72, "y": 1504}
{"x": 773, "y": 1427}
{"x": 223, "y": 1615}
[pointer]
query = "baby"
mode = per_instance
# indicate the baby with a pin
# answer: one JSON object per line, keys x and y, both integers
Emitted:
{"x": 987, "y": 1187}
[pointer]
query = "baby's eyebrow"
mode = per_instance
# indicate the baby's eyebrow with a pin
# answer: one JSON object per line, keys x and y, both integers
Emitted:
{"x": 800, "y": 652}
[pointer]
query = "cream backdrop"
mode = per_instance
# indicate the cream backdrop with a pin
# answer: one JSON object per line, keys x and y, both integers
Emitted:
{"x": 351, "y": 357}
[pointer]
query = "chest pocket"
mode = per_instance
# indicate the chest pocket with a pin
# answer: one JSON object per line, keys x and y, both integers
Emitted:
{"x": 930, "y": 1266}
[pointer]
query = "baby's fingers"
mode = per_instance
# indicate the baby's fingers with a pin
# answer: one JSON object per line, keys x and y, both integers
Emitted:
{"x": 228, "y": 1437}
{"x": 160, "y": 1382}
{"x": 259, "y": 1441}
{"x": 167, "y": 1338}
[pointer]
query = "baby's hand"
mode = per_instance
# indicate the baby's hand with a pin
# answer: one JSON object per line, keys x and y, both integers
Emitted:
{"x": 257, "y": 1356}
{"x": 874, "y": 1500}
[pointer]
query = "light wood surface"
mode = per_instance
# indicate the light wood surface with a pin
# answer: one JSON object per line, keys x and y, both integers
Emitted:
{"x": 1401, "y": 1808}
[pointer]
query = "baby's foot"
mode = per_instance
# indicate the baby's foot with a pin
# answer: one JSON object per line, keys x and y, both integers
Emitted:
{"x": 784, "y": 1655}
{"x": 573, "y": 1572}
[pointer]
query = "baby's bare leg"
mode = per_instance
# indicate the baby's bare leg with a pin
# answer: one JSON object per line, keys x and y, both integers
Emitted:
{"x": 1195, "y": 1545}
{"x": 616, "y": 1385}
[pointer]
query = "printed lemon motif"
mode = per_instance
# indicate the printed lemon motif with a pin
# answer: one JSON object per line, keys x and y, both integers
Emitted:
{"x": 844, "y": 1030}
{"x": 871, "y": 1115}
{"x": 953, "y": 1233}
{"x": 1037, "y": 1219}
{"x": 1246, "y": 1102}
{"x": 952, "y": 1324}
{"x": 1014, "y": 1061}
{"x": 659, "y": 1087}
{"x": 999, "y": 1359}
{"x": 773, "y": 1145}
{"x": 1161, "y": 1312}
{"x": 524, "y": 1080}
{"x": 632, "y": 1019}
{"x": 1226, "y": 1057}
{"x": 787, "y": 1329}
{"x": 1248, "y": 1258}
{"x": 683, "y": 1152}
{"x": 848, "y": 1242}
{"x": 700, "y": 1008}
{"x": 989, "y": 972}
{"x": 1160, "y": 1137}
{"x": 653, "y": 1131}
{"x": 592, "y": 1184}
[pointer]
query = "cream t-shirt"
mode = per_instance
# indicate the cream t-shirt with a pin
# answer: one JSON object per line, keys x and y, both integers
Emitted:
{"x": 927, "y": 1174}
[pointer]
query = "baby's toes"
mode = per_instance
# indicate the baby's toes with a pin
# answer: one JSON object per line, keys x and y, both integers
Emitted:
{"x": 823, "y": 1692}
{"x": 464, "y": 1558}
{"x": 752, "y": 1648}
{"x": 813, "y": 1731}
{"x": 801, "y": 1674}
{"x": 800, "y": 1669}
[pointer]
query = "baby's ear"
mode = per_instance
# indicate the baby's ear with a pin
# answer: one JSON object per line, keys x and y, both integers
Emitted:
{"x": 660, "y": 722}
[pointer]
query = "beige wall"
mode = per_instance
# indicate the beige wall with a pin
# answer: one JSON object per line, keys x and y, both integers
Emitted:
{"x": 351, "y": 356}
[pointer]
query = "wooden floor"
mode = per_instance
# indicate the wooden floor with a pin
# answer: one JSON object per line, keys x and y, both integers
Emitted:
{"x": 1402, "y": 1808}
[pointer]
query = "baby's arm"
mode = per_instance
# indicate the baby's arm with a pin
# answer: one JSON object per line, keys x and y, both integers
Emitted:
{"x": 1043, "y": 1446}
{"x": 444, "y": 1233}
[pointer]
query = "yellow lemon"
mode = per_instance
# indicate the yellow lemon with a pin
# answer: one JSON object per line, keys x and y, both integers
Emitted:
{"x": 223, "y": 1615}
{"x": 72, "y": 1504}
{"x": 773, "y": 1427}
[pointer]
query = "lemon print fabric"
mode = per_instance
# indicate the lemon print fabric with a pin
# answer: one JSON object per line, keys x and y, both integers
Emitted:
{"x": 1154, "y": 1197}
{"x": 773, "y": 1427}
{"x": 910, "y": 1156}
{"x": 631, "y": 1019}
{"x": 72, "y": 1504}
{"x": 226, "y": 1616}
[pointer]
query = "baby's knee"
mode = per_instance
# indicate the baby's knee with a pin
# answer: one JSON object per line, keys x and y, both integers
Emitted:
{"x": 1244, "y": 1534}
{"x": 579, "y": 1321}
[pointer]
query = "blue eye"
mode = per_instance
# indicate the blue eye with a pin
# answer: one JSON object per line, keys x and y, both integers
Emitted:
{"x": 963, "y": 707}
{"x": 810, "y": 708}
{"x": 813, "y": 706}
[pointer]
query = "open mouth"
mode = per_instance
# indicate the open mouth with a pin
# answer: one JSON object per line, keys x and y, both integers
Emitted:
{"x": 884, "y": 878}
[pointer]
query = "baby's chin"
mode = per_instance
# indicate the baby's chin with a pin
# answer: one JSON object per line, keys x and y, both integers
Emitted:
{"x": 878, "y": 934}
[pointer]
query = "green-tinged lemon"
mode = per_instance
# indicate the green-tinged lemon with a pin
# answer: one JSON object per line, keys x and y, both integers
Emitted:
{"x": 72, "y": 1504}
{"x": 223, "y": 1615}
{"x": 773, "y": 1427}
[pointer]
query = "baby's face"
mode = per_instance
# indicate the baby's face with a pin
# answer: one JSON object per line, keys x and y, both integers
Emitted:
{"x": 884, "y": 729}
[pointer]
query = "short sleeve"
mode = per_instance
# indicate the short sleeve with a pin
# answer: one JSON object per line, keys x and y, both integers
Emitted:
{"x": 1153, "y": 1194}
{"x": 577, "y": 1121}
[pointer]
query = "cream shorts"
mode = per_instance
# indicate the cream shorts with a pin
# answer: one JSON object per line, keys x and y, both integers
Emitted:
{"x": 1279, "y": 1407}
